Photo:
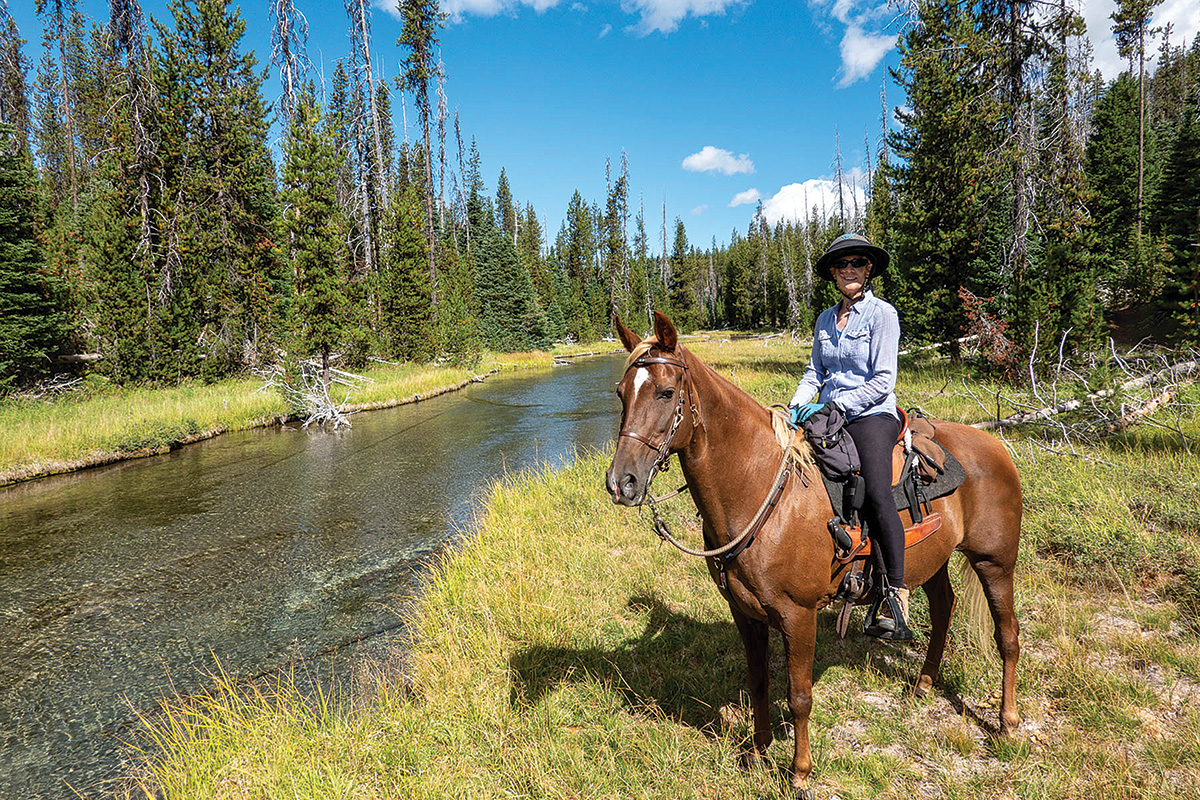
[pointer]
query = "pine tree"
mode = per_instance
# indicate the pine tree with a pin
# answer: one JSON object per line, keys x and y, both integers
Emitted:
{"x": 224, "y": 216}
{"x": 1177, "y": 215}
{"x": 506, "y": 212}
{"x": 315, "y": 227}
{"x": 407, "y": 313}
{"x": 942, "y": 175}
{"x": 1131, "y": 27}
{"x": 575, "y": 248}
{"x": 421, "y": 21}
{"x": 31, "y": 324}
{"x": 510, "y": 317}
{"x": 684, "y": 289}
{"x": 1112, "y": 170}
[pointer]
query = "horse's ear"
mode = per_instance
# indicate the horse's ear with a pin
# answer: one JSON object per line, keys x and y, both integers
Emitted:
{"x": 665, "y": 331}
{"x": 628, "y": 337}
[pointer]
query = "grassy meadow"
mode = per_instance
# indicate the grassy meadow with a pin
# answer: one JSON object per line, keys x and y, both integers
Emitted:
{"x": 562, "y": 651}
{"x": 102, "y": 423}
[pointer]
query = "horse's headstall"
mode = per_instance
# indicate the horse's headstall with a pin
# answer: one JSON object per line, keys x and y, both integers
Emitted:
{"x": 645, "y": 360}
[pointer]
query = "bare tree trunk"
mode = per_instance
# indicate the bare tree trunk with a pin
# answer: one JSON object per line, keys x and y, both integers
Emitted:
{"x": 789, "y": 282}
{"x": 1141, "y": 123}
{"x": 443, "y": 115}
{"x": 360, "y": 37}
{"x": 59, "y": 21}
{"x": 288, "y": 39}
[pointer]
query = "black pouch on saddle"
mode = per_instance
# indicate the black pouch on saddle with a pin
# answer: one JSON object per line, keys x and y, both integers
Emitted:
{"x": 833, "y": 449}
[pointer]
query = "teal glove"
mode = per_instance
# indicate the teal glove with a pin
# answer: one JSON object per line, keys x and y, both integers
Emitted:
{"x": 799, "y": 414}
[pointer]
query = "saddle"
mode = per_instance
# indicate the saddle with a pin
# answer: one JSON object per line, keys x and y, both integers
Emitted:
{"x": 922, "y": 471}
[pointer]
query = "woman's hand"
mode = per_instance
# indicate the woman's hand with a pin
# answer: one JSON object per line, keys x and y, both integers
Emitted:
{"x": 799, "y": 414}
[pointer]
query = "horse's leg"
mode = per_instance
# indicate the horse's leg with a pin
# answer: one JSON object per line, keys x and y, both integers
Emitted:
{"x": 941, "y": 608}
{"x": 997, "y": 580}
{"x": 755, "y": 636}
{"x": 800, "y": 640}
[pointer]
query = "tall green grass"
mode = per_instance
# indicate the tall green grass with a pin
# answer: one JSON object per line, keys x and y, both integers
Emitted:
{"x": 562, "y": 651}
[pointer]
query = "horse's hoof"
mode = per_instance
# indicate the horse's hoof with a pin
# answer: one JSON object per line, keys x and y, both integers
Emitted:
{"x": 922, "y": 687}
{"x": 750, "y": 760}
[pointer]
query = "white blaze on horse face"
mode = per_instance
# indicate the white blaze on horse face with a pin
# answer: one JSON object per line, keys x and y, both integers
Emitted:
{"x": 639, "y": 379}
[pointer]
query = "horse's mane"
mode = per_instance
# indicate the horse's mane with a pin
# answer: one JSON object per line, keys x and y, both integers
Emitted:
{"x": 792, "y": 444}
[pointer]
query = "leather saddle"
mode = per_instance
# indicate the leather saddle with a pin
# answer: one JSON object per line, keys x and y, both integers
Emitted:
{"x": 919, "y": 474}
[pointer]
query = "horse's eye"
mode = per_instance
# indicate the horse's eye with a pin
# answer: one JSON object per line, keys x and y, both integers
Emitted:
{"x": 666, "y": 394}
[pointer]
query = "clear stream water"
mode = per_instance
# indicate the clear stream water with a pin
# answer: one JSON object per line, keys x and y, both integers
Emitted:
{"x": 122, "y": 584}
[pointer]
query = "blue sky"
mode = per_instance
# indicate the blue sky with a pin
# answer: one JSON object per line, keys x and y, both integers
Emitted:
{"x": 715, "y": 103}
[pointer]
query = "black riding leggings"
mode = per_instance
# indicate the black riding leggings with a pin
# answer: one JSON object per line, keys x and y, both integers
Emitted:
{"x": 874, "y": 436}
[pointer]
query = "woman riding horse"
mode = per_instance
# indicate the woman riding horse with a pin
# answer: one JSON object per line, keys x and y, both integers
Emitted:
{"x": 853, "y": 367}
{"x": 728, "y": 451}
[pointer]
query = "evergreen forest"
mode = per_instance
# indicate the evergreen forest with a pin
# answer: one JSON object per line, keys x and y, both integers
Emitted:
{"x": 149, "y": 232}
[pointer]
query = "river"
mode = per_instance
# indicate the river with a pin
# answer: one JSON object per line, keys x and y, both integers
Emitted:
{"x": 122, "y": 584}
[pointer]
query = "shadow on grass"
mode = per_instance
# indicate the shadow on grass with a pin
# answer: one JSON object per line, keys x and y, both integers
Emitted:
{"x": 686, "y": 668}
{"x": 690, "y": 669}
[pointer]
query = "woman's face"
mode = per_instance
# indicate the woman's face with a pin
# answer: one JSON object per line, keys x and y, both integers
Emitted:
{"x": 851, "y": 274}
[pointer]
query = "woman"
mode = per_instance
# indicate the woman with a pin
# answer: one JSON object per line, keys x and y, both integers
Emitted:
{"x": 853, "y": 366}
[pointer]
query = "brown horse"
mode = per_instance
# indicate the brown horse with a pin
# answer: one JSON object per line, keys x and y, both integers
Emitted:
{"x": 728, "y": 451}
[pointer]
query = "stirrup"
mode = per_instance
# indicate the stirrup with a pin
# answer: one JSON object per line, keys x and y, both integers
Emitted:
{"x": 894, "y": 629}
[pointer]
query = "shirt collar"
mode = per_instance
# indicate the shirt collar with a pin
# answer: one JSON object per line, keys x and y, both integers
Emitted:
{"x": 862, "y": 305}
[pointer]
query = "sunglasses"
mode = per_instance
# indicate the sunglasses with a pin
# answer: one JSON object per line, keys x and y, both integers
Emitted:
{"x": 851, "y": 263}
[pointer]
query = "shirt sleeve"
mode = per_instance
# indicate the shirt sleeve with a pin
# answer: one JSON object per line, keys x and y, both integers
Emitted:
{"x": 883, "y": 356}
{"x": 814, "y": 374}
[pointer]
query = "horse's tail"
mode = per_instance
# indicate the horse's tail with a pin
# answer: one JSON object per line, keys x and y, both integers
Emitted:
{"x": 978, "y": 615}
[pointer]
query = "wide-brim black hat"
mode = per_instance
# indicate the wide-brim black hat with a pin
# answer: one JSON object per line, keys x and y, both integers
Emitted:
{"x": 849, "y": 244}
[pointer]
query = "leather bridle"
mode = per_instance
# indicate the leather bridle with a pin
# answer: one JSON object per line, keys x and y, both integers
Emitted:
{"x": 729, "y": 551}
{"x": 663, "y": 449}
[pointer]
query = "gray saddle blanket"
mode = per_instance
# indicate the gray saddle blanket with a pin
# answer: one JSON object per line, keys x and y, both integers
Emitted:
{"x": 909, "y": 487}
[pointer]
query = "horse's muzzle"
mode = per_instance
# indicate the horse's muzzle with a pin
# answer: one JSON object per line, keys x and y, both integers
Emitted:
{"x": 625, "y": 487}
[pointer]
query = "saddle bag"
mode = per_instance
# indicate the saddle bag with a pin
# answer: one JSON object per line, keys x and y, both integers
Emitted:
{"x": 833, "y": 449}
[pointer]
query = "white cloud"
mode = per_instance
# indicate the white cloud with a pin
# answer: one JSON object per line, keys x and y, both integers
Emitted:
{"x": 746, "y": 198}
{"x": 712, "y": 159}
{"x": 816, "y": 197}
{"x": 1183, "y": 15}
{"x": 605, "y": 30}
{"x": 664, "y": 16}
{"x": 698, "y": 210}
{"x": 865, "y": 40}
{"x": 862, "y": 52}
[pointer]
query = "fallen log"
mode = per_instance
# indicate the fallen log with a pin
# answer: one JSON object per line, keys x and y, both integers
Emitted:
{"x": 1172, "y": 373}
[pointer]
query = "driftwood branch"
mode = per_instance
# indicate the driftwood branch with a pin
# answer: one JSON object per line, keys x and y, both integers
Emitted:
{"x": 1109, "y": 420}
{"x": 937, "y": 346}
{"x": 307, "y": 392}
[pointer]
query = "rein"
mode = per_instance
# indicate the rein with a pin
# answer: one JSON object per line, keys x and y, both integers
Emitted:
{"x": 731, "y": 549}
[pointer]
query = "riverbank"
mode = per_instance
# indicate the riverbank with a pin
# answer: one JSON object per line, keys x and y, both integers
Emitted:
{"x": 105, "y": 424}
{"x": 563, "y": 651}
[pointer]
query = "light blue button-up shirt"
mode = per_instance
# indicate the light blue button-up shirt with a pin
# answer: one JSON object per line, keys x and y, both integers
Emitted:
{"x": 856, "y": 367}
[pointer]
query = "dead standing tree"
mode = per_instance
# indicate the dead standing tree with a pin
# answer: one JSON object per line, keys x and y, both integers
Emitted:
{"x": 128, "y": 26}
{"x": 421, "y": 22}
{"x": 14, "y": 94}
{"x": 289, "y": 38}
{"x": 372, "y": 189}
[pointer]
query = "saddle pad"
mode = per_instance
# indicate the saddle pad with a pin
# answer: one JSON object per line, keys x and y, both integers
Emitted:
{"x": 946, "y": 483}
